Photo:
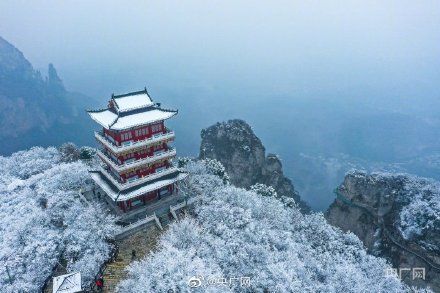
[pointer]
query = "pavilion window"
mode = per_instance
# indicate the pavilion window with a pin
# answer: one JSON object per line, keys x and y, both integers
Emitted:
{"x": 126, "y": 135}
{"x": 156, "y": 127}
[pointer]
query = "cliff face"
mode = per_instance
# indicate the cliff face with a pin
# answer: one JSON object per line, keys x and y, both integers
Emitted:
{"x": 35, "y": 111}
{"x": 21, "y": 89}
{"x": 235, "y": 145}
{"x": 396, "y": 217}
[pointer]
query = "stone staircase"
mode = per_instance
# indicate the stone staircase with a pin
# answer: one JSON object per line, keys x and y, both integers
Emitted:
{"x": 113, "y": 273}
{"x": 142, "y": 242}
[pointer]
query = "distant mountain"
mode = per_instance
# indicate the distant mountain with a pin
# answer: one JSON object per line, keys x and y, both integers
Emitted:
{"x": 37, "y": 110}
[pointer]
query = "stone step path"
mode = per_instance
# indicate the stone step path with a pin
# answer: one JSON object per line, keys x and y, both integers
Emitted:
{"x": 142, "y": 242}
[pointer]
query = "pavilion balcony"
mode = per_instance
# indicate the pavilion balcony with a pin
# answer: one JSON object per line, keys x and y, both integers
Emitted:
{"x": 134, "y": 182}
{"x": 170, "y": 153}
{"x": 132, "y": 145}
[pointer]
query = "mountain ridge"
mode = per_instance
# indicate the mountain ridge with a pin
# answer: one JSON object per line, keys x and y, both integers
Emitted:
{"x": 34, "y": 108}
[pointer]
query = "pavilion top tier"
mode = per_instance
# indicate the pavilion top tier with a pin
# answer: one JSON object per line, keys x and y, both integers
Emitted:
{"x": 130, "y": 110}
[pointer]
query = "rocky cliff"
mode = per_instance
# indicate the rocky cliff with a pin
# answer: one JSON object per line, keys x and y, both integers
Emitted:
{"x": 36, "y": 110}
{"x": 396, "y": 217}
{"x": 235, "y": 145}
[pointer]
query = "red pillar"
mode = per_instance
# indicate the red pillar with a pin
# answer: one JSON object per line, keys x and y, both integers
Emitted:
{"x": 121, "y": 204}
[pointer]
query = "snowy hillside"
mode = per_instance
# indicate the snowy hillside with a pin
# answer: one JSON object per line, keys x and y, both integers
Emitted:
{"x": 229, "y": 233}
{"x": 233, "y": 233}
{"x": 44, "y": 222}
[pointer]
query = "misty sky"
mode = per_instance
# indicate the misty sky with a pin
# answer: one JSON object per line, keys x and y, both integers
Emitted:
{"x": 232, "y": 58}
{"x": 325, "y": 48}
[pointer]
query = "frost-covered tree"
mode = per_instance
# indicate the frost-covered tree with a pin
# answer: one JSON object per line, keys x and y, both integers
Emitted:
{"x": 86, "y": 153}
{"x": 206, "y": 166}
{"x": 419, "y": 216}
{"x": 263, "y": 189}
{"x": 233, "y": 233}
{"x": 43, "y": 220}
{"x": 69, "y": 152}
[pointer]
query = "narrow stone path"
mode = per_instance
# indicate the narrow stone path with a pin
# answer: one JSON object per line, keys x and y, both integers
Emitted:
{"x": 142, "y": 242}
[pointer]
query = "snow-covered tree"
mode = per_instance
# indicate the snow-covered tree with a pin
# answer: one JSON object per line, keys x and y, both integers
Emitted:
{"x": 87, "y": 153}
{"x": 420, "y": 212}
{"x": 233, "y": 233}
{"x": 69, "y": 152}
{"x": 263, "y": 189}
{"x": 43, "y": 220}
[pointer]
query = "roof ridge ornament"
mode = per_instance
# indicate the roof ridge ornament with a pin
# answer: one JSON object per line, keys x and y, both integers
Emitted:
{"x": 146, "y": 91}
{"x": 114, "y": 122}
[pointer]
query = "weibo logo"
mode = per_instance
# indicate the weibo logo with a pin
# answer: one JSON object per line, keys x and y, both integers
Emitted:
{"x": 195, "y": 282}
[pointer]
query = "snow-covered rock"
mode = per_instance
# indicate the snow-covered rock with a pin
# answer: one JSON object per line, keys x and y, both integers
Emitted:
{"x": 235, "y": 145}
{"x": 407, "y": 206}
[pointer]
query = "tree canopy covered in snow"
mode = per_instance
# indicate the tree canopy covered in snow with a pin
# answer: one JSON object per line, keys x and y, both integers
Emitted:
{"x": 420, "y": 212}
{"x": 43, "y": 220}
{"x": 233, "y": 233}
{"x": 263, "y": 189}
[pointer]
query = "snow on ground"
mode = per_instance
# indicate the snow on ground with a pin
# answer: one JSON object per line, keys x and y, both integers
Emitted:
{"x": 230, "y": 233}
{"x": 233, "y": 233}
{"x": 43, "y": 220}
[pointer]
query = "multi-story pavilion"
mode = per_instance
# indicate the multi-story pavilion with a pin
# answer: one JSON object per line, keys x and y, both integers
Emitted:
{"x": 136, "y": 157}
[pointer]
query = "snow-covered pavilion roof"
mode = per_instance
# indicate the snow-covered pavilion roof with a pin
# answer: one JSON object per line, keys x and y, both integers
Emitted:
{"x": 110, "y": 120}
{"x": 132, "y": 101}
{"x": 68, "y": 283}
{"x": 117, "y": 195}
{"x": 130, "y": 110}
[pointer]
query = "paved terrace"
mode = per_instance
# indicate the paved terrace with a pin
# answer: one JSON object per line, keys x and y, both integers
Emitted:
{"x": 158, "y": 206}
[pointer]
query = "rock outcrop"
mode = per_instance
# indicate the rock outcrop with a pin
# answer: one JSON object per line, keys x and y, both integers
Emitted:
{"x": 235, "y": 145}
{"x": 54, "y": 82}
{"x": 396, "y": 217}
